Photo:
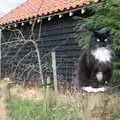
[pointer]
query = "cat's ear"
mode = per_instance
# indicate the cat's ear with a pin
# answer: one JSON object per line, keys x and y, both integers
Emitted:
{"x": 94, "y": 30}
{"x": 108, "y": 32}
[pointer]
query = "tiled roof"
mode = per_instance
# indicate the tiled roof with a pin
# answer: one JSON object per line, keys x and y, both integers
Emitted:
{"x": 34, "y": 8}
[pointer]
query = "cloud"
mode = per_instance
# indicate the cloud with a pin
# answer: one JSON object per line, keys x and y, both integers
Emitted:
{"x": 7, "y": 6}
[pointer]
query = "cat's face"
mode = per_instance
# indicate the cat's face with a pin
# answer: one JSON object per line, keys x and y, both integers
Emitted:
{"x": 101, "y": 39}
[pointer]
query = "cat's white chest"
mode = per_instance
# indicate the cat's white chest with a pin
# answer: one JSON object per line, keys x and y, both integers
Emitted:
{"x": 99, "y": 76}
{"x": 102, "y": 54}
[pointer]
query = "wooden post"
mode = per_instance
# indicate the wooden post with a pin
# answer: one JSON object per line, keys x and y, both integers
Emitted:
{"x": 94, "y": 106}
{"x": 0, "y": 52}
{"x": 46, "y": 100}
{"x": 4, "y": 97}
{"x": 53, "y": 54}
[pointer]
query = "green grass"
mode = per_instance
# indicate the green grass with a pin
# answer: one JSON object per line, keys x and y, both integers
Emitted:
{"x": 114, "y": 117}
{"x": 26, "y": 110}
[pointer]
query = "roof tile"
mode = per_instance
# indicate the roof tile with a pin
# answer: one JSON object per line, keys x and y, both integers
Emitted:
{"x": 39, "y": 7}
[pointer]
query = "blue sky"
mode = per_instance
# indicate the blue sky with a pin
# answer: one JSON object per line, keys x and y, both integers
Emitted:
{"x": 8, "y": 5}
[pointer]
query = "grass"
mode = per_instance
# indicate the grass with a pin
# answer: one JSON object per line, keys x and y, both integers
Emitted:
{"x": 114, "y": 117}
{"x": 26, "y": 110}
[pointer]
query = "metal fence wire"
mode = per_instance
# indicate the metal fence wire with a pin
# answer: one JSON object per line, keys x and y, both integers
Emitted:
{"x": 20, "y": 60}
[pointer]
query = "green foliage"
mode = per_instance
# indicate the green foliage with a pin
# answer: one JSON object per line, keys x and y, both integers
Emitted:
{"x": 116, "y": 73}
{"x": 103, "y": 15}
{"x": 26, "y": 110}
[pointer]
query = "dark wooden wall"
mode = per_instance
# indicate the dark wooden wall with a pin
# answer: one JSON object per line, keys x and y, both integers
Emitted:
{"x": 55, "y": 35}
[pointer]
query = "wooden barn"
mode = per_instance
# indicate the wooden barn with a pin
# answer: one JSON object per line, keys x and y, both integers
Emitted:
{"x": 40, "y": 26}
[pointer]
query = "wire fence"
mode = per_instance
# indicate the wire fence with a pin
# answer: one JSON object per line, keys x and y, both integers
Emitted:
{"x": 27, "y": 60}
{"x": 23, "y": 61}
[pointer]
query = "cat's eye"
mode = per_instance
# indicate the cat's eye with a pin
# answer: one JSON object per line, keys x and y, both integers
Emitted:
{"x": 106, "y": 40}
{"x": 98, "y": 40}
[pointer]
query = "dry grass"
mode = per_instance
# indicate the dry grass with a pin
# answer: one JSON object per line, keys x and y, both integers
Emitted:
{"x": 74, "y": 98}
{"x": 34, "y": 94}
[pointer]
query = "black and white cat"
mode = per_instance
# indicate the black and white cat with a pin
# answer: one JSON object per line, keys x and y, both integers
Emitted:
{"x": 94, "y": 68}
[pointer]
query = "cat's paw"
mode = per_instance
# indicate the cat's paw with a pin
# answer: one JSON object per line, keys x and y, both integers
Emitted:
{"x": 91, "y": 89}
